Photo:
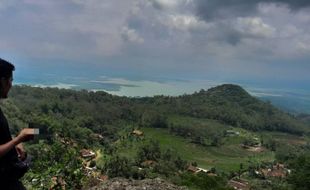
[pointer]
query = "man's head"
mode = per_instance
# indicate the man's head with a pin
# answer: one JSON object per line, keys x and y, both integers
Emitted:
{"x": 6, "y": 77}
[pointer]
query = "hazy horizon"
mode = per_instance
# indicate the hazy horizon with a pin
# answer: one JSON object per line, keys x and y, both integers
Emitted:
{"x": 292, "y": 99}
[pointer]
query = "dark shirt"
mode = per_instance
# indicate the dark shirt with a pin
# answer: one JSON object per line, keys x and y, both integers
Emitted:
{"x": 5, "y": 136}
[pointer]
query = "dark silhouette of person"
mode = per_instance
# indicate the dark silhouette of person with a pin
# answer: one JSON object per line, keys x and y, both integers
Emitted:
{"x": 12, "y": 153}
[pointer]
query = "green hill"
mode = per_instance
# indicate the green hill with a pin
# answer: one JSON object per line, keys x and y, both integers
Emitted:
{"x": 232, "y": 105}
{"x": 229, "y": 104}
{"x": 195, "y": 128}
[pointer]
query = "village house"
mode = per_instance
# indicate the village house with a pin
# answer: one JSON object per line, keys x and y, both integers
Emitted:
{"x": 66, "y": 141}
{"x": 137, "y": 132}
{"x": 239, "y": 184}
{"x": 203, "y": 170}
{"x": 192, "y": 169}
{"x": 232, "y": 133}
{"x": 195, "y": 170}
{"x": 148, "y": 163}
{"x": 211, "y": 174}
{"x": 87, "y": 153}
{"x": 277, "y": 170}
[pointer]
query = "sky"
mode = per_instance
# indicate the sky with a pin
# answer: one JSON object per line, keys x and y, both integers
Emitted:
{"x": 148, "y": 47}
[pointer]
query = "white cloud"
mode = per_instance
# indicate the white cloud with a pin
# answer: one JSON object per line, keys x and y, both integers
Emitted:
{"x": 131, "y": 35}
{"x": 254, "y": 27}
{"x": 185, "y": 22}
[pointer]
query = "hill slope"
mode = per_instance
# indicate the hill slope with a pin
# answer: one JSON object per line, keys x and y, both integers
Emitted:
{"x": 194, "y": 125}
{"x": 232, "y": 105}
{"x": 229, "y": 104}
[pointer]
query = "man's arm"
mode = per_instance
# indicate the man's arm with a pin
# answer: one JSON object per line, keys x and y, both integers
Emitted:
{"x": 24, "y": 135}
{"x": 5, "y": 148}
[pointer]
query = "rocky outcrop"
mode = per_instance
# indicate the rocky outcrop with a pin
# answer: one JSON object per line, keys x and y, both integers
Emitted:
{"x": 146, "y": 184}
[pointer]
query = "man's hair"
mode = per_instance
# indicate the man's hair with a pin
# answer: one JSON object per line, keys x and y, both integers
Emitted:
{"x": 6, "y": 69}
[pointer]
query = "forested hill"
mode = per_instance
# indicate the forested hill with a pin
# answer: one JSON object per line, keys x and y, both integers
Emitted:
{"x": 229, "y": 104}
{"x": 232, "y": 105}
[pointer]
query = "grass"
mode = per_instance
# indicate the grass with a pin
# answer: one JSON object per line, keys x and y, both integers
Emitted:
{"x": 224, "y": 158}
{"x": 196, "y": 122}
{"x": 285, "y": 138}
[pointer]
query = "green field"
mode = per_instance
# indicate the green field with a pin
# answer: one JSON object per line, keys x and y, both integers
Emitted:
{"x": 224, "y": 158}
{"x": 285, "y": 138}
{"x": 196, "y": 122}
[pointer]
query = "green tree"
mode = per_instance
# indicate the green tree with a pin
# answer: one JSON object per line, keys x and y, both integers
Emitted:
{"x": 149, "y": 151}
{"x": 300, "y": 177}
{"x": 118, "y": 166}
{"x": 153, "y": 119}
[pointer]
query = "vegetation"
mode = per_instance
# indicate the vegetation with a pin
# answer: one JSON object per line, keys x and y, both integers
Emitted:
{"x": 208, "y": 129}
{"x": 300, "y": 178}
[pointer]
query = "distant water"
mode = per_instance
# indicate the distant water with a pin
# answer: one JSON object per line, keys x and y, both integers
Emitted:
{"x": 294, "y": 100}
{"x": 120, "y": 86}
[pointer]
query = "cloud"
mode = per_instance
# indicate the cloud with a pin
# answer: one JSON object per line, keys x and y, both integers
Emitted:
{"x": 254, "y": 27}
{"x": 169, "y": 4}
{"x": 304, "y": 47}
{"x": 162, "y": 4}
{"x": 5, "y": 4}
{"x": 221, "y": 38}
{"x": 185, "y": 22}
{"x": 214, "y": 9}
{"x": 65, "y": 28}
{"x": 234, "y": 31}
{"x": 131, "y": 35}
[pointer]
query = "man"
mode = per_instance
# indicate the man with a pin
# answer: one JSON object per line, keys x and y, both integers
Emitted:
{"x": 11, "y": 150}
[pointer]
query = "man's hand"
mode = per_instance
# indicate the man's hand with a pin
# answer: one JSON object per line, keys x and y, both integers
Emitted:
{"x": 25, "y": 135}
{"x": 22, "y": 154}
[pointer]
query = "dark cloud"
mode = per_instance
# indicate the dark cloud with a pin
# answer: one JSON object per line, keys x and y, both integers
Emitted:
{"x": 210, "y": 9}
{"x": 294, "y": 4}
